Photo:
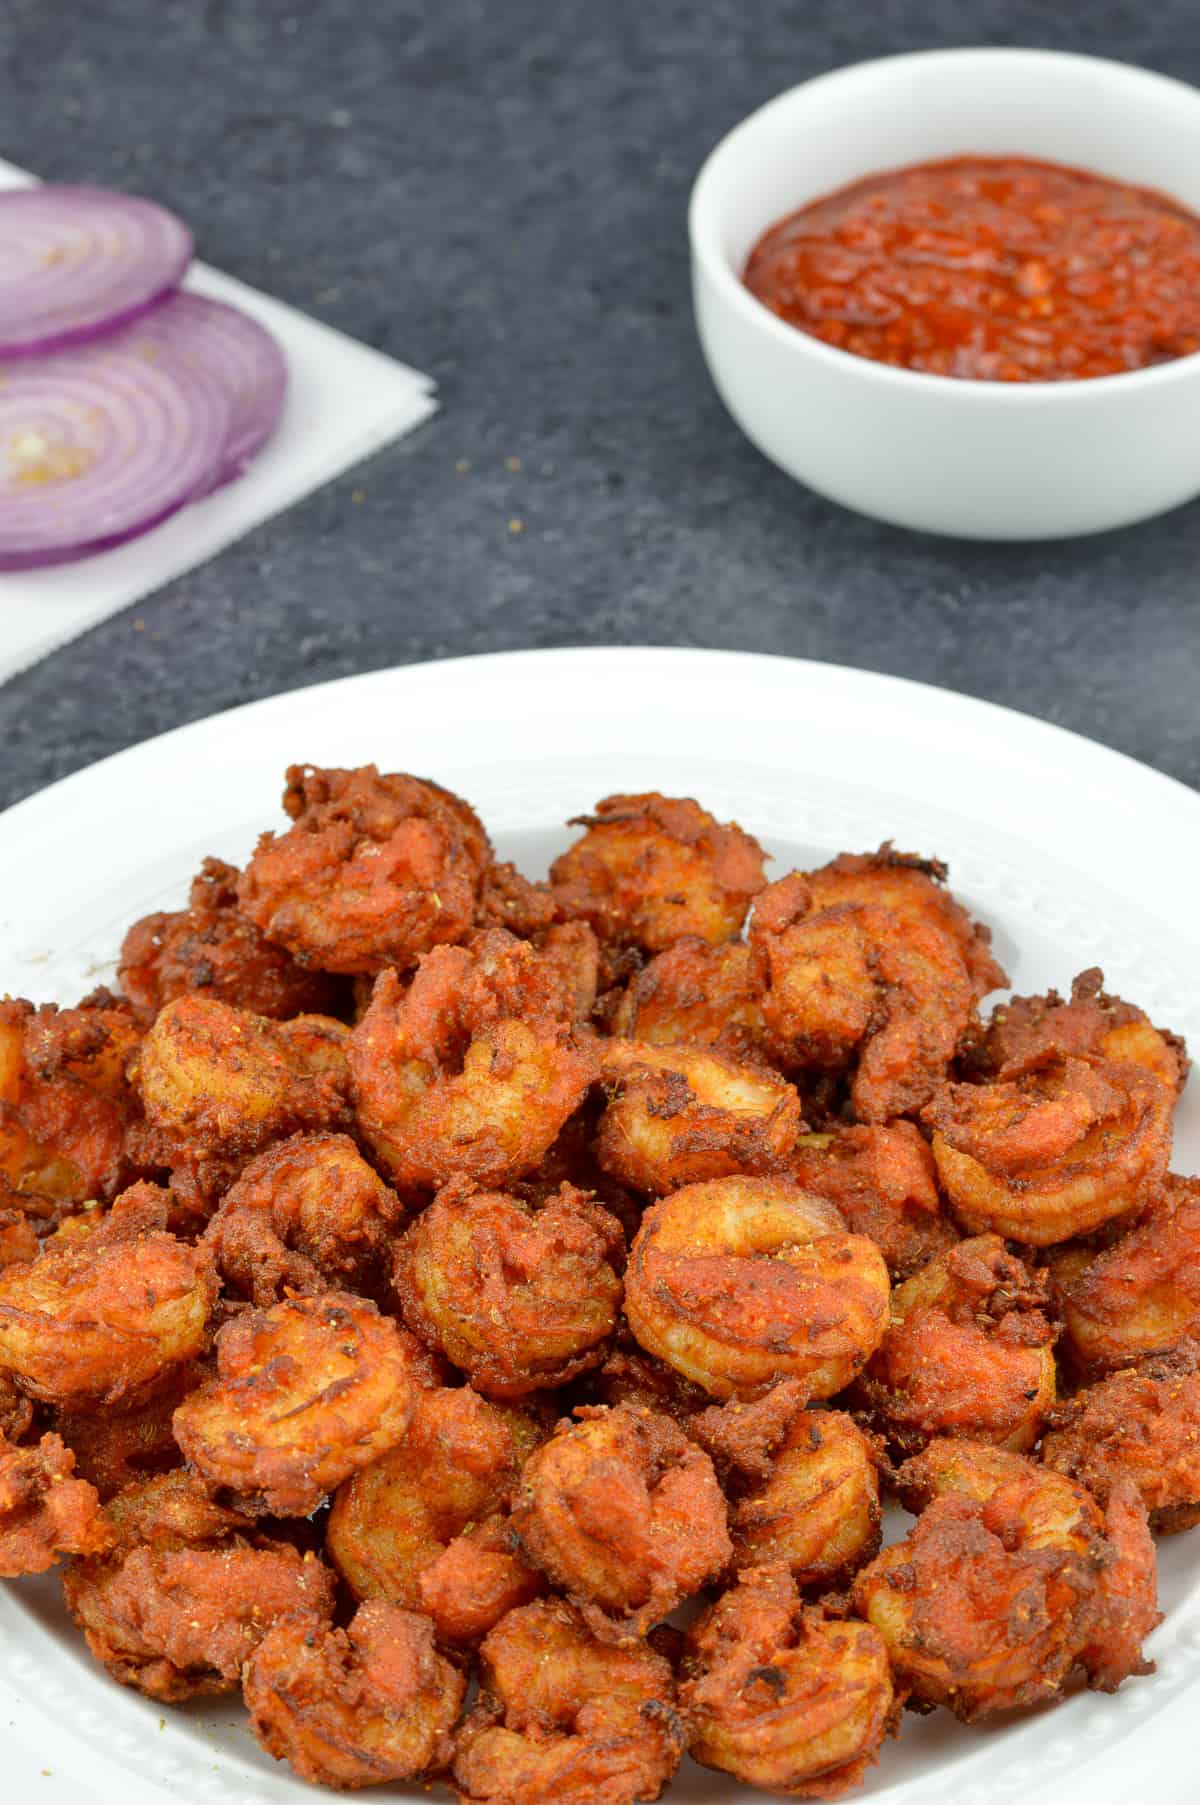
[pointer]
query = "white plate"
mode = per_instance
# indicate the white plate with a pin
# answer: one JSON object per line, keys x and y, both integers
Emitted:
{"x": 1076, "y": 856}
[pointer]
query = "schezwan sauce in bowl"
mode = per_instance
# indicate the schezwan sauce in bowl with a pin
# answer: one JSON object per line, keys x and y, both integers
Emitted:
{"x": 995, "y": 269}
{"x": 961, "y": 290}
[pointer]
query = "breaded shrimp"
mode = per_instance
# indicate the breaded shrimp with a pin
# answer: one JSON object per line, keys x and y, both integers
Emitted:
{"x": 783, "y": 1696}
{"x": 1140, "y": 1425}
{"x": 44, "y": 1510}
{"x": 223, "y": 1081}
{"x": 110, "y": 1307}
{"x": 376, "y": 870}
{"x": 65, "y": 1101}
{"x": 306, "y": 1215}
{"x": 426, "y": 1526}
{"x": 1055, "y": 1153}
{"x": 743, "y": 1281}
{"x": 884, "y": 1183}
{"x": 653, "y": 869}
{"x": 187, "y": 1590}
{"x": 211, "y": 947}
{"x": 520, "y": 1297}
{"x": 563, "y": 1719}
{"x": 474, "y": 1069}
{"x": 306, "y": 1393}
{"x": 1139, "y": 1296}
{"x": 1028, "y": 1032}
{"x": 969, "y": 1351}
{"x": 362, "y": 1706}
{"x": 625, "y": 1515}
{"x": 678, "y": 1116}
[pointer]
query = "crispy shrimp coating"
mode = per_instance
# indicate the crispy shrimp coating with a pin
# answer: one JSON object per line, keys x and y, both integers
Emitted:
{"x": 65, "y": 1101}
{"x": 306, "y": 1215}
{"x": 564, "y": 1719}
{"x": 18, "y": 1239}
{"x": 784, "y": 1696}
{"x": 426, "y": 1526}
{"x": 306, "y": 1393}
{"x": 852, "y": 986}
{"x": 211, "y": 947}
{"x": 914, "y": 889}
{"x": 362, "y": 1706}
{"x": 1028, "y": 1032}
{"x": 631, "y": 1376}
{"x": 742, "y": 1437}
{"x": 44, "y": 1510}
{"x": 695, "y": 995}
{"x": 653, "y": 869}
{"x": 1140, "y": 1425}
{"x": 474, "y": 1069}
{"x": 187, "y": 1591}
{"x": 1005, "y": 1582}
{"x": 679, "y": 1115}
{"x": 818, "y": 1510}
{"x": 108, "y": 1311}
{"x": 884, "y": 1182}
{"x": 508, "y": 899}
{"x": 1052, "y": 1154}
{"x": 746, "y": 1280}
{"x": 117, "y": 1447}
{"x": 1127, "y": 1594}
{"x": 1139, "y": 1296}
{"x": 16, "y": 1410}
{"x": 225, "y": 1081}
{"x": 991, "y": 1596}
{"x": 520, "y": 1297}
{"x": 376, "y": 870}
{"x": 968, "y": 1352}
{"x": 624, "y": 1513}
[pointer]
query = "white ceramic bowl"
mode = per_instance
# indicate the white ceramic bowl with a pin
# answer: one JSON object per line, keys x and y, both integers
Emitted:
{"x": 982, "y": 460}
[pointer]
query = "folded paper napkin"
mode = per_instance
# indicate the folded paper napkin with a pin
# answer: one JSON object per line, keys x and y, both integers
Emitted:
{"x": 344, "y": 401}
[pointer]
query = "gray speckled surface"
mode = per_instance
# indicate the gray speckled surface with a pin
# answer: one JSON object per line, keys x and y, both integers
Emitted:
{"x": 495, "y": 190}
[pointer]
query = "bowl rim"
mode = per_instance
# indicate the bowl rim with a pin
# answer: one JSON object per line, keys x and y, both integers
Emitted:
{"x": 972, "y": 390}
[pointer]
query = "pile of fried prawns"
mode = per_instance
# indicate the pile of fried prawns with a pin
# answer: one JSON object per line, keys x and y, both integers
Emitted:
{"x": 415, "y": 1274}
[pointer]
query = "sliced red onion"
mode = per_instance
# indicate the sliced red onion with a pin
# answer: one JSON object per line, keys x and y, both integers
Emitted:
{"x": 99, "y": 443}
{"x": 232, "y": 350}
{"x": 75, "y": 262}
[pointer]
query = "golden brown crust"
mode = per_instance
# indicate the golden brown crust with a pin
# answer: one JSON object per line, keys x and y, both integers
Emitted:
{"x": 65, "y": 1102}
{"x": 743, "y": 1281}
{"x": 653, "y": 869}
{"x": 678, "y": 1116}
{"x": 563, "y": 1719}
{"x": 783, "y": 1696}
{"x": 883, "y": 1181}
{"x": 969, "y": 1351}
{"x": 45, "y": 1511}
{"x": 473, "y": 1070}
{"x": 362, "y": 1706}
{"x": 1142, "y": 1426}
{"x": 376, "y": 870}
{"x": 112, "y": 1304}
{"x": 187, "y": 1590}
{"x": 426, "y": 1526}
{"x": 1054, "y": 1153}
{"x": 212, "y": 948}
{"x": 1139, "y": 1296}
{"x": 521, "y": 1297}
{"x": 1027, "y": 1032}
{"x": 306, "y": 1215}
{"x": 305, "y": 1394}
{"x": 625, "y": 1515}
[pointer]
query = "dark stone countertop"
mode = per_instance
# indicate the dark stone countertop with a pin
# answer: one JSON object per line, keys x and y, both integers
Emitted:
{"x": 495, "y": 191}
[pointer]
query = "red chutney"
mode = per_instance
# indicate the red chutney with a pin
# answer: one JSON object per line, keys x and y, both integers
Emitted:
{"x": 995, "y": 268}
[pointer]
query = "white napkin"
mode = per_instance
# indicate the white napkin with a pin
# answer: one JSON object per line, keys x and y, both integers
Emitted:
{"x": 345, "y": 400}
